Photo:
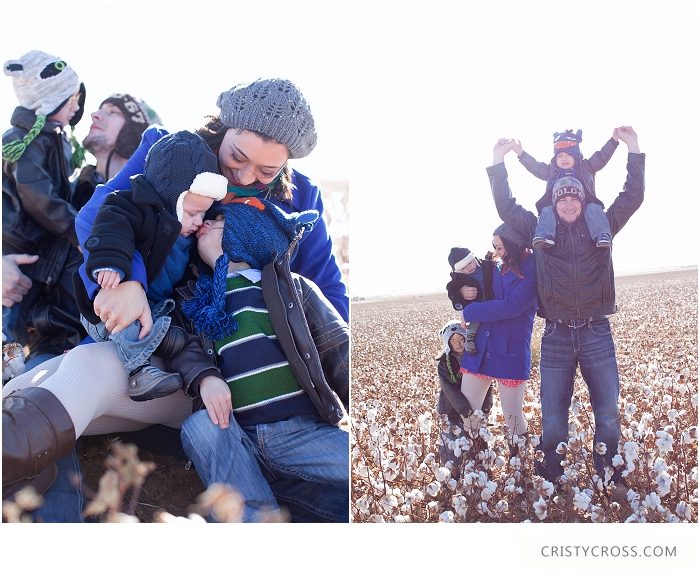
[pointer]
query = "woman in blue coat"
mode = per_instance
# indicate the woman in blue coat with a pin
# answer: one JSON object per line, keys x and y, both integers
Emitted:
{"x": 503, "y": 340}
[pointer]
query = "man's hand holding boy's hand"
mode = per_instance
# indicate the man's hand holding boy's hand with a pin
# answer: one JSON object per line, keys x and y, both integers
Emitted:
{"x": 629, "y": 137}
{"x": 502, "y": 147}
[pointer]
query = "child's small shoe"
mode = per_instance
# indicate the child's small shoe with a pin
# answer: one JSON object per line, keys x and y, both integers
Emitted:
{"x": 542, "y": 242}
{"x": 603, "y": 241}
{"x": 469, "y": 346}
{"x": 149, "y": 382}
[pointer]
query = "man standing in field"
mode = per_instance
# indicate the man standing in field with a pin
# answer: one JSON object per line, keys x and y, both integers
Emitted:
{"x": 575, "y": 294}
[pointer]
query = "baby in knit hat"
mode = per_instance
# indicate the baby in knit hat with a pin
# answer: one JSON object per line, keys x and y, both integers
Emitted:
{"x": 568, "y": 162}
{"x": 156, "y": 219}
{"x": 468, "y": 270}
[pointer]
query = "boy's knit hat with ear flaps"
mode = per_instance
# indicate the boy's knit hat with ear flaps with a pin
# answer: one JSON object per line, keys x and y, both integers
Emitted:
{"x": 43, "y": 83}
{"x": 138, "y": 115}
{"x": 179, "y": 163}
{"x": 274, "y": 107}
{"x": 568, "y": 142}
{"x": 448, "y": 330}
{"x": 254, "y": 230}
{"x": 459, "y": 258}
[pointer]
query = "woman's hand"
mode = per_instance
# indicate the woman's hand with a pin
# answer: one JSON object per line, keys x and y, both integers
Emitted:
{"x": 468, "y": 293}
{"x": 216, "y": 396}
{"x": 121, "y": 306}
{"x": 502, "y": 147}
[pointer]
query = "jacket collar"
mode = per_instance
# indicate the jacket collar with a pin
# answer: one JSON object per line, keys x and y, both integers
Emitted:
{"x": 25, "y": 118}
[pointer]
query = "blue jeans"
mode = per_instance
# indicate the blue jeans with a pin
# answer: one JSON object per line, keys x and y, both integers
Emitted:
{"x": 134, "y": 352}
{"x": 591, "y": 348}
{"x": 63, "y": 501}
{"x": 596, "y": 220}
{"x": 264, "y": 461}
{"x": 9, "y": 319}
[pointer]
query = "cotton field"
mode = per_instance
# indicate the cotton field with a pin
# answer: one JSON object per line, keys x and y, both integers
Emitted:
{"x": 396, "y": 472}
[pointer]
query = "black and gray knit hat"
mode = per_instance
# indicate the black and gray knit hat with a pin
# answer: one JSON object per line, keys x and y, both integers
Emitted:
{"x": 179, "y": 163}
{"x": 274, "y": 107}
{"x": 568, "y": 186}
{"x": 138, "y": 115}
{"x": 568, "y": 142}
{"x": 43, "y": 83}
{"x": 505, "y": 231}
{"x": 459, "y": 258}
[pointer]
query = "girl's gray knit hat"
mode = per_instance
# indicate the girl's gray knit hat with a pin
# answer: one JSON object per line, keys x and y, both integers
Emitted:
{"x": 43, "y": 83}
{"x": 274, "y": 107}
{"x": 449, "y": 329}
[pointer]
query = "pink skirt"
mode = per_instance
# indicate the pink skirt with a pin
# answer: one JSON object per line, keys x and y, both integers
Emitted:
{"x": 501, "y": 380}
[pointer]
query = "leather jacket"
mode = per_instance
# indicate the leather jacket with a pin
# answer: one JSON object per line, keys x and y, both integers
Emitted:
{"x": 575, "y": 279}
{"x": 36, "y": 191}
{"x": 39, "y": 218}
{"x": 313, "y": 336}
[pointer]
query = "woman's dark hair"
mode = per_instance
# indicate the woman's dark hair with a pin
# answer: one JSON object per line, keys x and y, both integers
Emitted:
{"x": 513, "y": 256}
{"x": 213, "y": 133}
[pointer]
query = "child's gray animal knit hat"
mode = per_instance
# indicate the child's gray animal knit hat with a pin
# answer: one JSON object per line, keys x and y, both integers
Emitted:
{"x": 43, "y": 83}
{"x": 273, "y": 107}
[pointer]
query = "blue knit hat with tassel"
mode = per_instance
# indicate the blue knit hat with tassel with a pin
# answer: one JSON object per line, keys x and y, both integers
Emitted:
{"x": 255, "y": 231}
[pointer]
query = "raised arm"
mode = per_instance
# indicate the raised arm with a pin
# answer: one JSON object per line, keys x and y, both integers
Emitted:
{"x": 632, "y": 195}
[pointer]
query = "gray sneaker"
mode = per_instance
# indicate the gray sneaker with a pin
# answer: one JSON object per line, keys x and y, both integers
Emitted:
{"x": 149, "y": 382}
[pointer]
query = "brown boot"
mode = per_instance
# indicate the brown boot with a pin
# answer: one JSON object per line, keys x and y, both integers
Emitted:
{"x": 36, "y": 431}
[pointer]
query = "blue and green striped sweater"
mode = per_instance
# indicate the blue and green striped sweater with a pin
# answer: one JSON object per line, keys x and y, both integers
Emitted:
{"x": 252, "y": 362}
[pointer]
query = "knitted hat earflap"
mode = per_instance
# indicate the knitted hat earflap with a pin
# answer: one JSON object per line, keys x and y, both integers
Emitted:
{"x": 207, "y": 309}
{"x": 14, "y": 150}
{"x": 77, "y": 160}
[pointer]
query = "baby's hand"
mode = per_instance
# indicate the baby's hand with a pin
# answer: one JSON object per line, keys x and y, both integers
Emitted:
{"x": 108, "y": 279}
{"x": 518, "y": 147}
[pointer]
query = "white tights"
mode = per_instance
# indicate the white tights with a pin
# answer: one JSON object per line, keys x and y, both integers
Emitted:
{"x": 91, "y": 383}
{"x": 475, "y": 388}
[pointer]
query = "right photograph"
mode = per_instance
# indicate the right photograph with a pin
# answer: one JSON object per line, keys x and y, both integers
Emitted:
{"x": 524, "y": 289}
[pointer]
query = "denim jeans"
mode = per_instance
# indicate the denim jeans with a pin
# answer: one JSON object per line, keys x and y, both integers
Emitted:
{"x": 596, "y": 220}
{"x": 9, "y": 319}
{"x": 63, "y": 501}
{"x": 591, "y": 348}
{"x": 132, "y": 351}
{"x": 263, "y": 462}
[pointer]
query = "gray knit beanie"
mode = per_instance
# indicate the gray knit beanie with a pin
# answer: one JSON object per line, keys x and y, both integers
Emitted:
{"x": 504, "y": 231}
{"x": 274, "y": 107}
{"x": 43, "y": 83}
{"x": 179, "y": 163}
{"x": 568, "y": 186}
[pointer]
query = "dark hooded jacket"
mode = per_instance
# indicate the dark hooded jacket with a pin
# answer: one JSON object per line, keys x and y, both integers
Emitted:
{"x": 459, "y": 280}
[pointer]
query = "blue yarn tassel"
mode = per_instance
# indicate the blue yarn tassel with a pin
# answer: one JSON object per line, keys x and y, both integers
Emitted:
{"x": 207, "y": 310}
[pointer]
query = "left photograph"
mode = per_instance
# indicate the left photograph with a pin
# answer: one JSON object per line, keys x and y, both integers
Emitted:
{"x": 175, "y": 271}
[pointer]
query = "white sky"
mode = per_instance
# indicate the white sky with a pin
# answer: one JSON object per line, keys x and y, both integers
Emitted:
{"x": 435, "y": 85}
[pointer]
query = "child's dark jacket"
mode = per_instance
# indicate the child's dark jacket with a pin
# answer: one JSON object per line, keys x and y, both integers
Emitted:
{"x": 451, "y": 400}
{"x": 585, "y": 171}
{"x": 128, "y": 221}
{"x": 459, "y": 280}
